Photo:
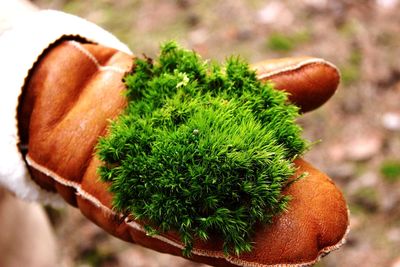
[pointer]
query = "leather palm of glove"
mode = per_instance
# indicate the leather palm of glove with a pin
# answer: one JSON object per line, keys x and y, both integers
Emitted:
{"x": 76, "y": 88}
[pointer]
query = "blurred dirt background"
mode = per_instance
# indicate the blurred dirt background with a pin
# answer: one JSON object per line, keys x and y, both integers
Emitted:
{"x": 357, "y": 133}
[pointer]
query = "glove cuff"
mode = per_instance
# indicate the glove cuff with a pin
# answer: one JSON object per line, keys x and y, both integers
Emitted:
{"x": 20, "y": 48}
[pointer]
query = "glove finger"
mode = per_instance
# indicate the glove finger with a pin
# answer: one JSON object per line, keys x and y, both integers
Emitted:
{"x": 309, "y": 81}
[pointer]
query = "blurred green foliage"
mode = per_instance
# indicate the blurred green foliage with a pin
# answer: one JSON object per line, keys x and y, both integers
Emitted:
{"x": 366, "y": 198}
{"x": 287, "y": 42}
{"x": 351, "y": 71}
{"x": 96, "y": 257}
{"x": 390, "y": 170}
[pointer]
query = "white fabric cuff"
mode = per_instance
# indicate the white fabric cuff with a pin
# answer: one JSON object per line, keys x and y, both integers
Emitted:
{"x": 20, "y": 48}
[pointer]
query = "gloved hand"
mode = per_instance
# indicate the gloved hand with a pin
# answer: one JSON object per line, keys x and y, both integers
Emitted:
{"x": 75, "y": 88}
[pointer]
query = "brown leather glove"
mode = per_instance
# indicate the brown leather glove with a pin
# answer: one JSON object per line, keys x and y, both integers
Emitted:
{"x": 75, "y": 89}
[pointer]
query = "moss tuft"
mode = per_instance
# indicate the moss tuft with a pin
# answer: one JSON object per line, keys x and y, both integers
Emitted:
{"x": 201, "y": 149}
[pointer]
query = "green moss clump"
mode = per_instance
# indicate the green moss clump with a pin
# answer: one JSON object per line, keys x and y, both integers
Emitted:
{"x": 201, "y": 149}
